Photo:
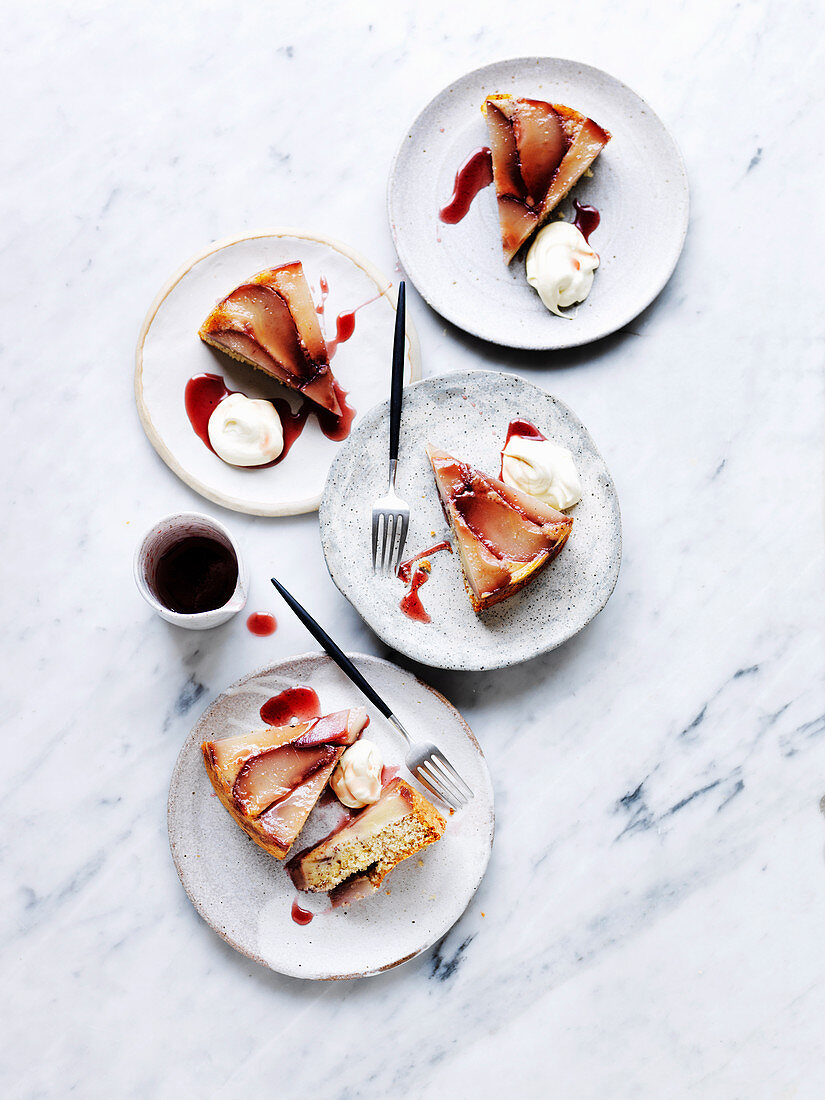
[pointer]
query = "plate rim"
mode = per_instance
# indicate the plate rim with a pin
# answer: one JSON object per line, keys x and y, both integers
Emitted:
{"x": 533, "y": 345}
{"x": 387, "y": 288}
{"x": 179, "y": 865}
{"x": 507, "y": 662}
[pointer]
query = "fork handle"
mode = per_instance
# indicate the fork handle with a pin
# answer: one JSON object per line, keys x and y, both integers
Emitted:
{"x": 397, "y": 369}
{"x": 334, "y": 651}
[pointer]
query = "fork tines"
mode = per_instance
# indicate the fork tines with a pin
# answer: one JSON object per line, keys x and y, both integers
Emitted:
{"x": 439, "y": 776}
{"x": 392, "y": 543}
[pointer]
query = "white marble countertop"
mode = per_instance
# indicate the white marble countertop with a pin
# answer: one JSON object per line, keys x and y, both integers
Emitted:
{"x": 653, "y": 912}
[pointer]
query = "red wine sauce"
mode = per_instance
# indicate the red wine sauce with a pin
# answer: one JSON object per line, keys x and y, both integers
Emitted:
{"x": 405, "y": 568}
{"x": 345, "y": 325}
{"x": 411, "y": 604}
{"x": 195, "y": 574}
{"x": 299, "y": 915}
{"x": 587, "y": 219}
{"x": 261, "y": 624}
{"x": 204, "y": 392}
{"x": 298, "y": 702}
{"x": 474, "y": 174}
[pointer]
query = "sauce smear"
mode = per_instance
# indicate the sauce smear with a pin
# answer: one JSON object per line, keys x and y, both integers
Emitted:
{"x": 411, "y": 604}
{"x": 474, "y": 174}
{"x": 298, "y": 702}
{"x": 261, "y": 624}
{"x": 587, "y": 219}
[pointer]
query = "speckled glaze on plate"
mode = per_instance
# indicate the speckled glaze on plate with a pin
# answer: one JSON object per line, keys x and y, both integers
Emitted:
{"x": 246, "y": 896}
{"x": 169, "y": 352}
{"x": 638, "y": 183}
{"x": 467, "y": 413}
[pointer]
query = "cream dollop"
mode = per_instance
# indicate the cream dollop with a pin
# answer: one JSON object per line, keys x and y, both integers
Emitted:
{"x": 245, "y": 431}
{"x": 543, "y": 469}
{"x": 357, "y": 776}
{"x": 560, "y": 266}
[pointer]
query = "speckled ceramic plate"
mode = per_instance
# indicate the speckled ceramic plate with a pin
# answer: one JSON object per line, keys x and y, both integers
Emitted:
{"x": 467, "y": 413}
{"x": 169, "y": 352}
{"x": 246, "y": 895}
{"x": 638, "y": 184}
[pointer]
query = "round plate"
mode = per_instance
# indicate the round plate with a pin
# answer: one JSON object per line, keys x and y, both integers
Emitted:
{"x": 246, "y": 896}
{"x": 638, "y": 184}
{"x": 467, "y": 413}
{"x": 169, "y": 352}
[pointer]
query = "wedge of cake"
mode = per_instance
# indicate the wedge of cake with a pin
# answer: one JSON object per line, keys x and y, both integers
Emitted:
{"x": 355, "y": 860}
{"x": 270, "y": 322}
{"x": 504, "y": 537}
{"x": 270, "y": 779}
{"x": 540, "y": 150}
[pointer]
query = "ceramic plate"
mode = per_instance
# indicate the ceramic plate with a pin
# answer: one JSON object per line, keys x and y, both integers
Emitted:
{"x": 638, "y": 184}
{"x": 467, "y": 413}
{"x": 169, "y": 352}
{"x": 246, "y": 895}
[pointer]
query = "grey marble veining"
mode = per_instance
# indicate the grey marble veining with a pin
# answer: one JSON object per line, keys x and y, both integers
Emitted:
{"x": 651, "y": 921}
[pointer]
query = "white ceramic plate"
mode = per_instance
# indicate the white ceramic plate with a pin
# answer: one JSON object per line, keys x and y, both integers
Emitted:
{"x": 169, "y": 352}
{"x": 246, "y": 895}
{"x": 639, "y": 185}
{"x": 467, "y": 413}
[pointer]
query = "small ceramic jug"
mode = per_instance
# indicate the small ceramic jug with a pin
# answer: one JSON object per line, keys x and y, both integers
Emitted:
{"x": 165, "y": 534}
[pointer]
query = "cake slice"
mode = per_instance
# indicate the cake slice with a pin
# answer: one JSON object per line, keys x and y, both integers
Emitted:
{"x": 540, "y": 150}
{"x": 270, "y": 322}
{"x": 270, "y": 779}
{"x": 355, "y": 860}
{"x": 504, "y": 537}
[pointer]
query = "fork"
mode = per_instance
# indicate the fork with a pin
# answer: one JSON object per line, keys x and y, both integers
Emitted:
{"x": 391, "y": 508}
{"x": 425, "y": 761}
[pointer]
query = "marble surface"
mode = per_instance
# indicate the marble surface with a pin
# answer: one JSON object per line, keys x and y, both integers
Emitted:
{"x": 651, "y": 922}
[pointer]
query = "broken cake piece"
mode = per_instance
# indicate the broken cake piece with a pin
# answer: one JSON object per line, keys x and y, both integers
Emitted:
{"x": 353, "y": 861}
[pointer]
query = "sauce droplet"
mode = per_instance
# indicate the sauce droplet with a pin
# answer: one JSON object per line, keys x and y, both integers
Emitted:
{"x": 298, "y": 702}
{"x": 587, "y": 219}
{"x": 299, "y": 915}
{"x": 474, "y": 174}
{"x": 261, "y": 624}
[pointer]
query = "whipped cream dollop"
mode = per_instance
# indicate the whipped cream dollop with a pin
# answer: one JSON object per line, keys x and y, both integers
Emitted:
{"x": 543, "y": 469}
{"x": 560, "y": 266}
{"x": 357, "y": 776}
{"x": 245, "y": 431}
